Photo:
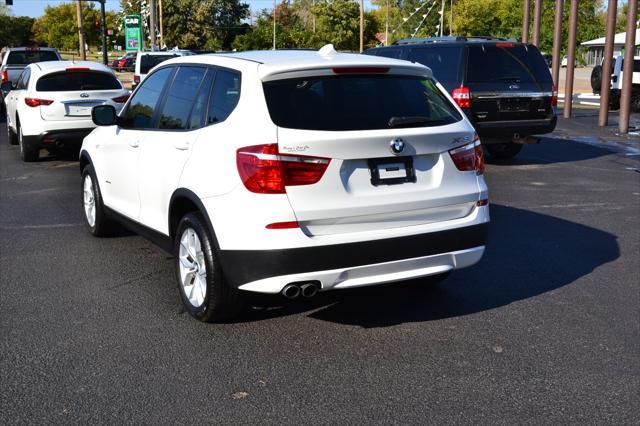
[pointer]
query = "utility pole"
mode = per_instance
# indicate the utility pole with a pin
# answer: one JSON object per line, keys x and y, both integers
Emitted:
{"x": 442, "y": 19}
{"x": 103, "y": 31}
{"x": 274, "y": 24}
{"x": 451, "y": 20}
{"x": 557, "y": 43}
{"x": 361, "y": 25}
{"x": 525, "y": 21}
{"x": 152, "y": 24}
{"x": 603, "y": 116}
{"x": 83, "y": 53}
{"x": 537, "y": 17}
{"x": 161, "y": 30}
{"x": 627, "y": 67}
{"x": 571, "y": 58}
{"x": 386, "y": 27}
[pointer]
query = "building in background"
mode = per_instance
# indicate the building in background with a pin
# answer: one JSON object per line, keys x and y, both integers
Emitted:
{"x": 595, "y": 48}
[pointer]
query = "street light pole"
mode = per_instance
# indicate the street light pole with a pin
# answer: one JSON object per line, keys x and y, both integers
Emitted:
{"x": 361, "y": 25}
{"x": 103, "y": 30}
{"x": 152, "y": 23}
{"x": 83, "y": 54}
{"x": 274, "y": 24}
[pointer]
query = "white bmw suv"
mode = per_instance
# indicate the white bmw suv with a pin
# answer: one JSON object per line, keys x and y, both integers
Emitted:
{"x": 49, "y": 107}
{"x": 289, "y": 172}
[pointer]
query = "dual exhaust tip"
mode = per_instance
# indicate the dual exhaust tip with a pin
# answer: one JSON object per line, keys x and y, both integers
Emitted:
{"x": 306, "y": 289}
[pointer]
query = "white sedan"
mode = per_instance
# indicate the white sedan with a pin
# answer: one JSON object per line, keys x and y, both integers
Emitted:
{"x": 49, "y": 107}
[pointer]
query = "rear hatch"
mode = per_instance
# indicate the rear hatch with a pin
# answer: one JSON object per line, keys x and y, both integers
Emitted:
{"x": 354, "y": 122}
{"x": 75, "y": 92}
{"x": 508, "y": 81}
{"x": 19, "y": 59}
{"x": 150, "y": 60}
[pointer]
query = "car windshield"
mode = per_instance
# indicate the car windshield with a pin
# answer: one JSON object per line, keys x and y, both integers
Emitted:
{"x": 506, "y": 62}
{"x": 357, "y": 103}
{"x": 26, "y": 57}
{"x": 149, "y": 61}
{"x": 77, "y": 80}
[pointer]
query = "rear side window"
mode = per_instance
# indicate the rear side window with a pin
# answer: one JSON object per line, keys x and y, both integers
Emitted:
{"x": 180, "y": 97}
{"x": 443, "y": 61}
{"x": 636, "y": 65}
{"x": 491, "y": 63}
{"x": 356, "y": 102}
{"x": 143, "y": 104}
{"x": 26, "y": 57}
{"x": 149, "y": 61}
{"x": 69, "y": 81}
{"x": 225, "y": 96}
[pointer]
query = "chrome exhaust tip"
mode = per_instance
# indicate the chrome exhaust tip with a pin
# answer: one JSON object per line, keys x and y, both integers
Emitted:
{"x": 291, "y": 291}
{"x": 308, "y": 290}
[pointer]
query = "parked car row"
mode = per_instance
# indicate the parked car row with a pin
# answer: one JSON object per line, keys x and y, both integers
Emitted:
{"x": 293, "y": 172}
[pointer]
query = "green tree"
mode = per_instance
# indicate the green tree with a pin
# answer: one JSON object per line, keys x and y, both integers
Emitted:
{"x": 58, "y": 27}
{"x": 194, "y": 24}
{"x": 15, "y": 30}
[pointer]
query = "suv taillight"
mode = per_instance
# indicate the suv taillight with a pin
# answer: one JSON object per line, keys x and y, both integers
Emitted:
{"x": 5, "y": 76}
{"x": 462, "y": 96}
{"x": 469, "y": 157}
{"x": 554, "y": 95}
{"x": 136, "y": 78}
{"x": 33, "y": 102}
{"x": 120, "y": 99}
{"x": 264, "y": 170}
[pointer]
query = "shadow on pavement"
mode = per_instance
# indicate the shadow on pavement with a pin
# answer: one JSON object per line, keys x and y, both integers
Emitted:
{"x": 552, "y": 149}
{"x": 527, "y": 254}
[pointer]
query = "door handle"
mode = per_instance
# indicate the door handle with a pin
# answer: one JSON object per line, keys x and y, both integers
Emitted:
{"x": 134, "y": 144}
{"x": 182, "y": 145}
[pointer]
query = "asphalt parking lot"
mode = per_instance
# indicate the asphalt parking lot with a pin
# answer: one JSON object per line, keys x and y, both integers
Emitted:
{"x": 546, "y": 328}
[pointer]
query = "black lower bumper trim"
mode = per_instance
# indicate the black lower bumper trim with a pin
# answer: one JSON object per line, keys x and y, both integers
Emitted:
{"x": 508, "y": 128}
{"x": 243, "y": 266}
{"x": 57, "y": 139}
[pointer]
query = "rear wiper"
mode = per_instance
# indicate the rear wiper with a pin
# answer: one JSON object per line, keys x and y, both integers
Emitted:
{"x": 408, "y": 121}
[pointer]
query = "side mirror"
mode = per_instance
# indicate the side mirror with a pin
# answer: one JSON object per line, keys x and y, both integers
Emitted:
{"x": 104, "y": 115}
{"x": 7, "y": 86}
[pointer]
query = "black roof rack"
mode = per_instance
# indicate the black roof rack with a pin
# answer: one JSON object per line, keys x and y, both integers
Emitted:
{"x": 452, "y": 39}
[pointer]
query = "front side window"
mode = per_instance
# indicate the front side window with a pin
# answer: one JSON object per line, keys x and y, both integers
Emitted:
{"x": 225, "y": 96}
{"x": 180, "y": 97}
{"x": 143, "y": 104}
{"x": 360, "y": 102}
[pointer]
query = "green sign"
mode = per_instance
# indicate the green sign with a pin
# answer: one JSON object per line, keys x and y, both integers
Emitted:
{"x": 133, "y": 32}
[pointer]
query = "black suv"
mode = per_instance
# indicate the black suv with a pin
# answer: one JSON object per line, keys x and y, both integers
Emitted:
{"x": 503, "y": 86}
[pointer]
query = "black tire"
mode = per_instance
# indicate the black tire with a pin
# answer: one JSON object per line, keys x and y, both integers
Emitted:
{"x": 503, "y": 151}
{"x": 220, "y": 301}
{"x": 11, "y": 135}
{"x": 596, "y": 78}
{"x": 28, "y": 154}
{"x": 102, "y": 225}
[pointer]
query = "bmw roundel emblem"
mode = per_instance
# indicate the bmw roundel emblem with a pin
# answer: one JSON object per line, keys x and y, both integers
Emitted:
{"x": 396, "y": 146}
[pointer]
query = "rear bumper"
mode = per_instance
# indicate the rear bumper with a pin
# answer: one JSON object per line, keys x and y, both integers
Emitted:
{"x": 69, "y": 138}
{"x": 508, "y": 128}
{"x": 394, "y": 258}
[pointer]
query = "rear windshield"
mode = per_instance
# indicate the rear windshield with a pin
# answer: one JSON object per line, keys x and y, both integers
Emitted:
{"x": 26, "y": 57}
{"x": 443, "y": 61}
{"x": 514, "y": 62}
{"x": 77, "y": 80}
{"x": 357, "y": 102}
{"x": 149, "y": 61}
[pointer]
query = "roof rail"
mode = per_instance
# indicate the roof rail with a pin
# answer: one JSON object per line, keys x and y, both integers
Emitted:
{"x": 452, "y": 39}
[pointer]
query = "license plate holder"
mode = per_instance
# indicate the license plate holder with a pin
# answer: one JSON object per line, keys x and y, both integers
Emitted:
{"x": 391, "y": 171}
{"x": 79, "y": 110}
{"x": 514, "y": 105}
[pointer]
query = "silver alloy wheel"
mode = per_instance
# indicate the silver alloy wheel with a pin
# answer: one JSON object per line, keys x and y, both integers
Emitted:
{"x": 193, "y": 271}
{"x": 89, "y": 201}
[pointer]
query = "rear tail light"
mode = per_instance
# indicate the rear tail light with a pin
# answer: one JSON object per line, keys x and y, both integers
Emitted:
{"x": 136, "y": 78}
{"x": 33, "y": 102}
{"x": 120, "y": 99}
{"x": 554, "y": 95}
{"x": 5, "y": 76}
{"x": 462, "y": 96}
{"x": 264, "y": 170}
{"x": 469, "y": 157}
